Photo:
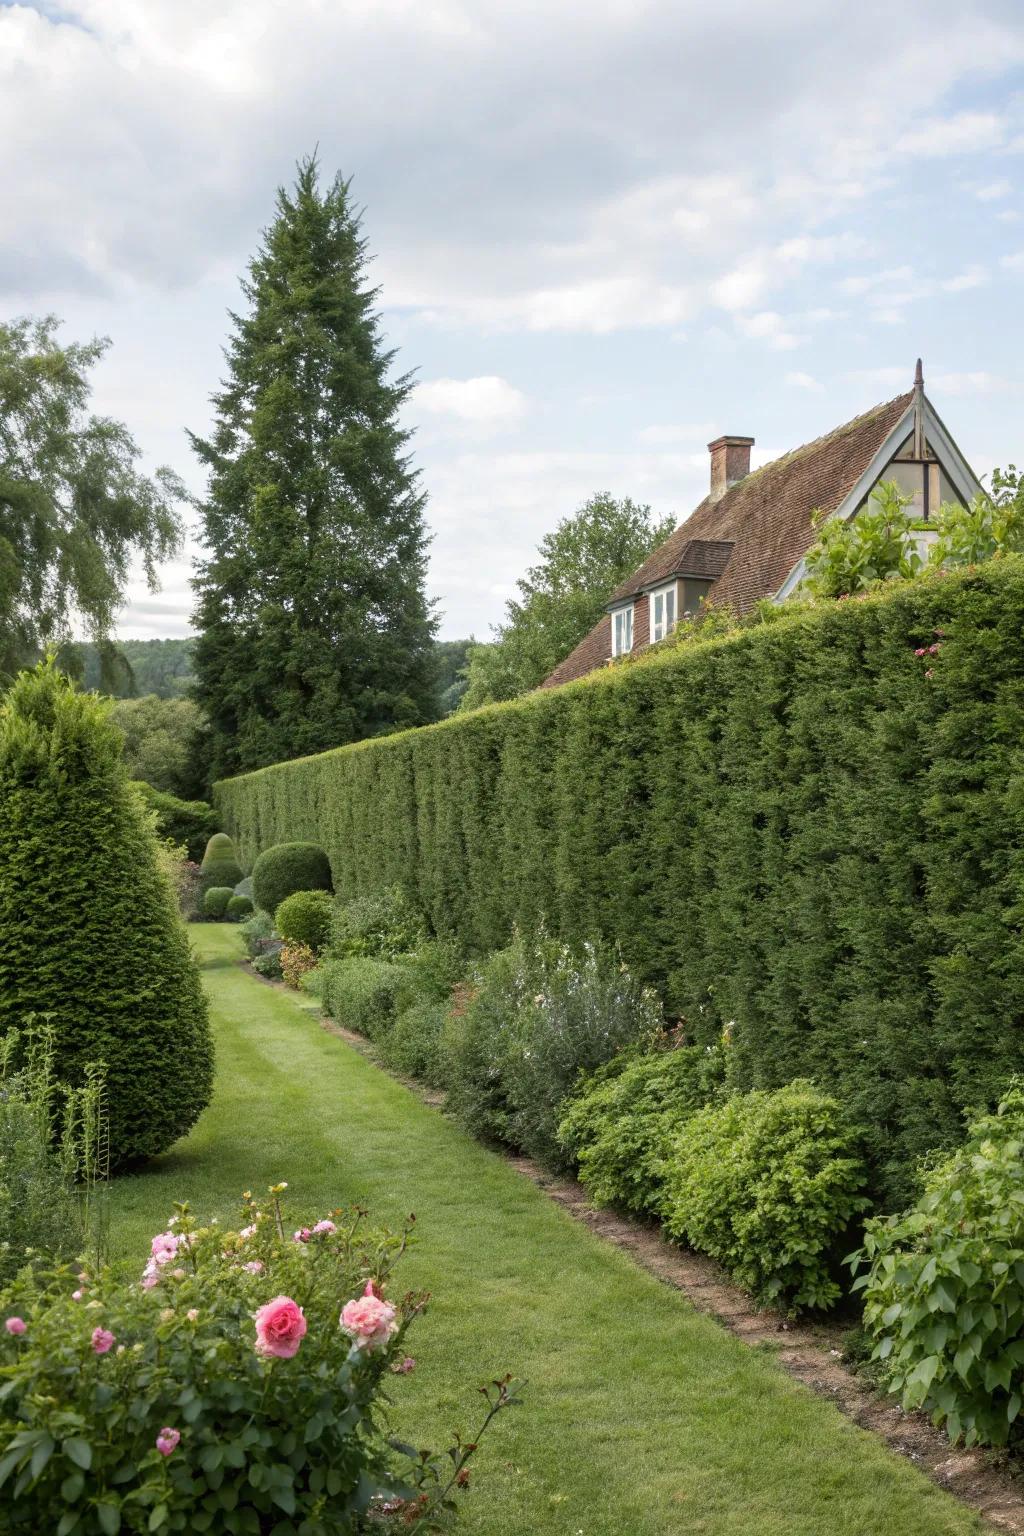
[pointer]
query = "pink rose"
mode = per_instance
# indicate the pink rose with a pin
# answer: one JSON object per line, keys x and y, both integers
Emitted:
{"x": 150, "y": 1276}
{"x": 16, "y": 1325}
{"x": 368, "y": 1321}
{"x": 167, "y": 1440}
{"x": 163, "y": 1247}
{"x": 404, "y": 1366}
{"x": 247, "y": 1231}
{"x": 77, "y": 1295}
{"x": 325, "y": 1226}
{"x": 280, "y": 1327}
{"x": 302, "y": 1236}
{"x": 254, "y": 1266}
{"x": 102, "y": 1340}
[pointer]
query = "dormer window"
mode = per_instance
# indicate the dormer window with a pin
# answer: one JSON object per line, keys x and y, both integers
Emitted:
{"x": 663, "y": 612}
{"x": 622, "y": 630}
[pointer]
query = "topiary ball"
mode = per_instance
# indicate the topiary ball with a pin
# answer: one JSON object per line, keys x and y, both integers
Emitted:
{"x": 304, "y": 917}
{"x": 220, "y": 846}
{"x": 238, "y": 907}
{"x": 215, "y": 900}
{"x": 286, "y": 868}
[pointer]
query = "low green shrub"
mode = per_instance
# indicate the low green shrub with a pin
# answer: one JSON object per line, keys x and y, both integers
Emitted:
{"x": 413, "y": 1045}
{"x": 215, "y": 900}
{"x": 267, "y": 960}
{"x": 208, "y": 1399}
{"x": 367, "y": 995}
{"x": 286, "y": 868}
{"x": 186, "y": 822}
{"x": 767, "y": 1184}
{"x": 620, "y": 1125}
{"x": 244, "y": 888}
{"x": 304, "y": 917}
{"x": 382, "y": 926}
{"x": 238, "y": 907}
{"x": 944, "y": 1290}
{"x": 219, "y": 865}
{"x": 535, "y": 1017}
{"x": 255, "y": 930}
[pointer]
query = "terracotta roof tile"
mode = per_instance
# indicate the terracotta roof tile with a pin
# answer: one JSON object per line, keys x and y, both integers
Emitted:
{"x": 765, "y": 519}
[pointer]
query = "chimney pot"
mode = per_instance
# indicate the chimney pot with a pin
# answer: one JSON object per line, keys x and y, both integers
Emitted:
{"x": 730, "y": 461}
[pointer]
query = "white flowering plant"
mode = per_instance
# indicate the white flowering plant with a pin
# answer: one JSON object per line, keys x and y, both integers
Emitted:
{"x": 239, "y": 1384}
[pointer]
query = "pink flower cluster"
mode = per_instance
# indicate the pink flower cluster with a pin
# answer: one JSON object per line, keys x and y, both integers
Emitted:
{"x": 167, "y": 1440}
{"x": 162, "y": 1250}
{"x": 322, "y": 1229}
{"x": 929, "y": 650}
{"x": 102, "y": 1341}
{"x": 16, "y": 1325}
{"x": 369, "y": 1321}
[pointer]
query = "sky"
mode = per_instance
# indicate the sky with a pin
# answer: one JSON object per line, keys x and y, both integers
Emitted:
{"x": 604, "y": 233}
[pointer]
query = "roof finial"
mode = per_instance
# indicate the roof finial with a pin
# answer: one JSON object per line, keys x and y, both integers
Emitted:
{"x": 919, "y": 376}
{"x": 920, "y": 446}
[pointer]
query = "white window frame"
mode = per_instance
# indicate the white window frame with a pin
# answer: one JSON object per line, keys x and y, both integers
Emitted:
{"x": 665, "y": 625}
{"x": 622, "y": 630}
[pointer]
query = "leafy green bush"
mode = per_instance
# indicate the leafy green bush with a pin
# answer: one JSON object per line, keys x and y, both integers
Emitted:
{"x": 384, "y": 926}
{"x": 367, "y": 995}
{"x": 53, "y": 1154}
{"x": 238, "y": 907}
{"x": 286, "y": 868}
{"x": 244, "y": 888}
{"x": 304, "y": 917}
{"x": 220, "y": 866}
{"x": 266, "y": 961}
{"x": 767, "y": 1184}
{"x": 91, "y": 934}
{"x": 256, "y": 930}
{"x": 215, "y": 900}
{"x": 414, "y": 1043}
{"x": 186, "y": 822}
{"x": 537, "y": 1016}
{"x": 207, "y": 1398}
{"x": 620, "y": 1125}
{"x": 944, "y": 1291}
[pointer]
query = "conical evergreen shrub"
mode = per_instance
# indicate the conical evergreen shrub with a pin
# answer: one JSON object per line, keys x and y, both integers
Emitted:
{"x": 89, "y": 931}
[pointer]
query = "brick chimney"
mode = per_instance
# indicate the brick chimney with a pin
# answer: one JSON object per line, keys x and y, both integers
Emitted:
{"x": 730, "y": 461}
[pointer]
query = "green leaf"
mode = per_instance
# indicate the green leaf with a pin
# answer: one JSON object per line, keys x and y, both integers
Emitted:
{"x": 79, "y": 1451}
{"x": 109, "y": 1517}
{"x": 68, "y": 1523}
{"x": 41, "y": 1455}
{"x": 71, "y": 1487}
{"x": 158, "y": 1517}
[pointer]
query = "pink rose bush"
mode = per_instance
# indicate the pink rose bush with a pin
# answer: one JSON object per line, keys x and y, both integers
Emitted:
{"x": 231, "y": 1341}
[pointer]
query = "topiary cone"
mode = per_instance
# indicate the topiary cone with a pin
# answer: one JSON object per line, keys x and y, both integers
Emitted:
{"x": 89, "y": 931}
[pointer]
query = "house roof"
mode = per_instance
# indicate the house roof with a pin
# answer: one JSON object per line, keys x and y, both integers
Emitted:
{"x": 750, "y": 538}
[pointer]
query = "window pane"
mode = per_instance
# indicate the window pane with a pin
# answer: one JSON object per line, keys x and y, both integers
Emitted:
{"x": 670, "y": 608}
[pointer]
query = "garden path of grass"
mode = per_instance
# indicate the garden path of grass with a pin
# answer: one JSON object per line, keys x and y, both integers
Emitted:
{"x": 641, "y": 1418}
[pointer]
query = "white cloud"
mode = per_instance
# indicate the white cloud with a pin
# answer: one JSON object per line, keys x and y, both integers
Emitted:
{"x": 669, "y": 434}
{"x": 964, "y": 133}
{"x": 992, "y": 191}
{"x": 804, "y": 381}
{"x": 485, "y": 401}
{"x": 769, "y": 326}
{"x": 972, "y": 277}
{"x": 976, "y": 383}
{"x": 1014, "y": 262}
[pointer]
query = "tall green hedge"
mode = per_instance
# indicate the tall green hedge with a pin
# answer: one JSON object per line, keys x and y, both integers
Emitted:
{"x": 794, "y": 829}
{"x": 90, "y": 937}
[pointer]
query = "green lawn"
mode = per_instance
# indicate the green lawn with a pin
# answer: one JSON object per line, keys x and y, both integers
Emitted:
{"x": 642, "y": 1418}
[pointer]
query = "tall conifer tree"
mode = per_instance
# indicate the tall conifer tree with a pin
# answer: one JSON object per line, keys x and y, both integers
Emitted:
{"x": 314, "y": 627}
